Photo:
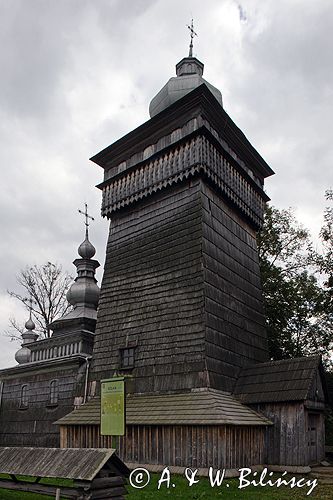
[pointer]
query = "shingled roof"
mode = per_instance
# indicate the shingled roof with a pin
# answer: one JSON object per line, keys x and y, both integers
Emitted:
{"x": 198, "y": 407}
{"x": 70, "y": 463}
{"x": 277, "y": 381}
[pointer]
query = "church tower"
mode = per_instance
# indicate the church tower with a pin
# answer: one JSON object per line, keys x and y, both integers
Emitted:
{"x": 180, "y": 314}
{"x": 181, "y": 304}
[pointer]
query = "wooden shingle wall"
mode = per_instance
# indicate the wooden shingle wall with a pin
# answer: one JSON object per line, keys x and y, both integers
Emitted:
{"x": 33, "y": 425}
{"x": 234, "y": 318}
{"x": 182, "y": 286}
{"x": 152, "y": 292}
{"x": 316, "y": 393}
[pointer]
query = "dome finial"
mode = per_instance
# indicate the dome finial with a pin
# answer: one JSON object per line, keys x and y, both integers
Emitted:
{"x": 84, "y": 292}
{"x": 193, "y": 33}
{"x": 23, "y": 355}
{"x": 86, "y": 250}
{"x": 87, "y": 216}
{"x": 30, "y": 325}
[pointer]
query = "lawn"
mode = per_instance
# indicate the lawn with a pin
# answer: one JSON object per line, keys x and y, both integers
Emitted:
{"x": 202, "y": 490}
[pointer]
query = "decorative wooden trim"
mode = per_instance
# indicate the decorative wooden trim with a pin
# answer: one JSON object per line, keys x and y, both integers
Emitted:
{"x": 195, "y": 156}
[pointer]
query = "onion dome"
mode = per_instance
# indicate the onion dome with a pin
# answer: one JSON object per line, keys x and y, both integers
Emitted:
{"x": 30, "y": 325}
{"x": 83, "y": 295}
{"x": 86, "y": 250}
{"x": 189, "y": 73}
{"x": 84, "y": 291}
{"x": 23, "y": 355}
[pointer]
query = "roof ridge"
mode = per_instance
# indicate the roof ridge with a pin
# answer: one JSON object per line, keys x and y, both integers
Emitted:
{"x": 282, "y": 361}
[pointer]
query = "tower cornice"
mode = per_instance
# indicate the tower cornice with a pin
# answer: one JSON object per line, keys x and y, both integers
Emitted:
{"x": 199, "y": 102}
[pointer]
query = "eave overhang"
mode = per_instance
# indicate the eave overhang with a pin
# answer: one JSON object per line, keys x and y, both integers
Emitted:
{"x": 199, "y": 102}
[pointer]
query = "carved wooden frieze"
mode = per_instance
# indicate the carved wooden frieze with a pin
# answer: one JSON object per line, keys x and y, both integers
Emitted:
{"x": 196, "y": 155}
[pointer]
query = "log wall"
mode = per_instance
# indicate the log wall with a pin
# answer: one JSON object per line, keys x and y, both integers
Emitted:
{"x": 184, "y": 446}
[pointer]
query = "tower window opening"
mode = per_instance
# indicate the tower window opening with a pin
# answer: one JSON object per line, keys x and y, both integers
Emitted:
{"x": 127, "y": 357}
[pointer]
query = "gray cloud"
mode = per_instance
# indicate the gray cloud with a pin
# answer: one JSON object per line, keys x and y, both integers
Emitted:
{"x": 77, "y": 75}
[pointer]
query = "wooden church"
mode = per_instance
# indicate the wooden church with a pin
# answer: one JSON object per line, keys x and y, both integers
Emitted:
{"x": 180, "y": 311}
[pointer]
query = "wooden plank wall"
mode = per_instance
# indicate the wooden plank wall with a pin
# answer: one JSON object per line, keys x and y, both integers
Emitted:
{"x": 184, "y": 446}
{"x": 235, "y": 323}
{"x": 286, "y": 440}
{"x": 316, "y": 420}
{"x": 152, "y": 292}
{"x": 33, "y": 426}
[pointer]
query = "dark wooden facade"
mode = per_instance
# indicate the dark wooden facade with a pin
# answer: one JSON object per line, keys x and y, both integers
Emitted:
{"x": 29, "y": 422}
{"x": 199, "y": 428}
{"x": 51, "y": 378}
{"x": 235, "y": 334}
{"x": 297, "y": 436}
{"x": 181, "y": 282}
{"x": 195, "y": 446}
{"x": 181, "y": 314}
{"x": 182, "y": 286}
{"x": 292, "y": 394}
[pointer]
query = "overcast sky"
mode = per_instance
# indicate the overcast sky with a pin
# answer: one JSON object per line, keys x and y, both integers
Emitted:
{"x": 76, "y": 75}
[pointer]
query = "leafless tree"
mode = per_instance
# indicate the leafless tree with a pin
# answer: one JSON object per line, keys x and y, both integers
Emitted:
{"x": 47, "y": 286}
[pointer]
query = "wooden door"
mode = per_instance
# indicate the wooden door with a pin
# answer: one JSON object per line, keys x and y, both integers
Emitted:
{"x": 313, "y": 435}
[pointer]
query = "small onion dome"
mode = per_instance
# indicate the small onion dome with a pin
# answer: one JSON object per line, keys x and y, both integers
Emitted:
{"x": 30, "y": 325}
{"x": 23, "y": 355}
{"x": 86, "y": 250}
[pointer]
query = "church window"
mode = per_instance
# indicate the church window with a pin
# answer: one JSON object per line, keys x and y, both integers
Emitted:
{"x": 24, "y": 397}
{"x": 54, "y": 392}
{"x": 127, "y": 357}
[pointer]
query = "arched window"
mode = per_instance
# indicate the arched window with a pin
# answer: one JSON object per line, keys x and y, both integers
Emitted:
{"x": 54, "y": 392}
{"x": 24, "y": 396}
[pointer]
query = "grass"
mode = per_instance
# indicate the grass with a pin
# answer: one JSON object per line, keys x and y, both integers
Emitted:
{"x": 19, "y": 495}
{"x": 200, "y": 491}
{"x": 203, "y": 491}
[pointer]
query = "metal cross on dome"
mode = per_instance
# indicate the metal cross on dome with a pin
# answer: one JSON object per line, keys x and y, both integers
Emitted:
{"x": 87, "y": 216}
{"x": 31, "y": 301}
{"x": 193, "y": 33}
{"x": 85, "y": 213}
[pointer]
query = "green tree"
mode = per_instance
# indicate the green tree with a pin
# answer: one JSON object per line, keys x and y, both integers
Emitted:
{"x": 324, "y": 260}
{"x": 296, "y": 298}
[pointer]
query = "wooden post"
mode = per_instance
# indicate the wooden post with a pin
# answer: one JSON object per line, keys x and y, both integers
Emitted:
{"x": 57, "y": 497}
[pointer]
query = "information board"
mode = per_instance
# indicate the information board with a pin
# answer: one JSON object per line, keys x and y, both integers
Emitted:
{"x": 113, "y": 407}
